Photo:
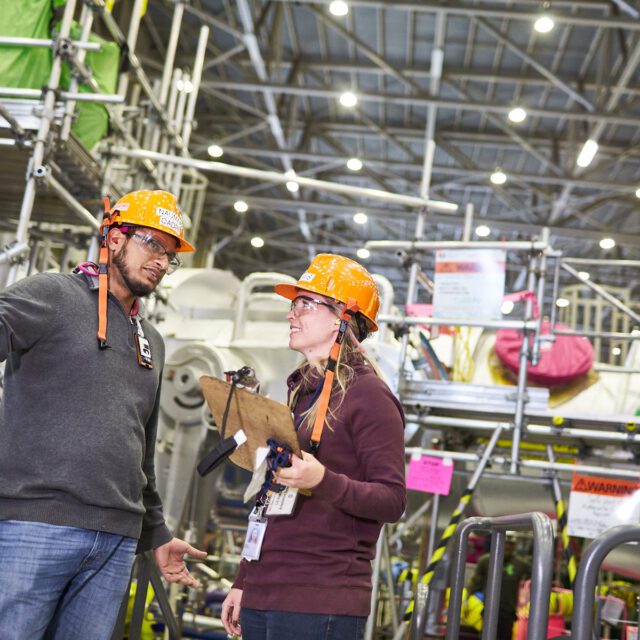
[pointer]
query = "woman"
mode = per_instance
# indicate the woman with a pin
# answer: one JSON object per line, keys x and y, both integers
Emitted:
{"x": 313, "y": 577}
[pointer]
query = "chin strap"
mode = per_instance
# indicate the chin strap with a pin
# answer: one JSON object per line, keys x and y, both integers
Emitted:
{"x": 103, "y": 277}
{"x": 350, "y": 309}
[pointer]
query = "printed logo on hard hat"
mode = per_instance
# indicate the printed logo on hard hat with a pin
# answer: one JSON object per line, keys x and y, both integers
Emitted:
{"x": 124, "y": 206}
{"x": 307, "y": 277}
{"x": 169, "y": 219}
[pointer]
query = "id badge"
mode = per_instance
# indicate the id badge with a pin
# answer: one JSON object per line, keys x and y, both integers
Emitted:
{"x": 144, "y": 352}
{"x": 283, "y": 503}
{"x": 255, "y": 535}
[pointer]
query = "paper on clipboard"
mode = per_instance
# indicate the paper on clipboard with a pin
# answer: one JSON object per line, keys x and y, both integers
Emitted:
{"x": 259, "y": 417}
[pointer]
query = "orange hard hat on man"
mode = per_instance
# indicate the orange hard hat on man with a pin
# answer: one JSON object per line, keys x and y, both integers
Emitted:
{"x": 154, "y": 209}
{"x": 339, "y": 278}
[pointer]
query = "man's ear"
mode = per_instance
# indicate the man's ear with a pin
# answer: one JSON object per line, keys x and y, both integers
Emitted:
{"x": 115, "y": 238}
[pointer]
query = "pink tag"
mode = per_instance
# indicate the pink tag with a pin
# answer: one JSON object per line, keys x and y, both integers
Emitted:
{"x": 432, "y": 475}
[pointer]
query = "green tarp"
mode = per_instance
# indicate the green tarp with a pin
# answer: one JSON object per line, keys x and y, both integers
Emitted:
{"x": 29, "y": 67}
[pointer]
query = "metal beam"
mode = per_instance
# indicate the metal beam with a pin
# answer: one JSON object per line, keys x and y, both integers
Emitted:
{"x": 422, "y": 100}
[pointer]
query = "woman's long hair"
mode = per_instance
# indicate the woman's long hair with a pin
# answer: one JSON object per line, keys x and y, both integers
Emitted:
{"x": 351, "y": 353}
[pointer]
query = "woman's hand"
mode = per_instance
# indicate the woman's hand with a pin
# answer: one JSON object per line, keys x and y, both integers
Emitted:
{"x": 304, "y": 473}
{"x": 231, "y": 612}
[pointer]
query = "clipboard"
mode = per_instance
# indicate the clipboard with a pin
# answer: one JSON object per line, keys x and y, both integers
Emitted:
{"x": 259, "y": 417}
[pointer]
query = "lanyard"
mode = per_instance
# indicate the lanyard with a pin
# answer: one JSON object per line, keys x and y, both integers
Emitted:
{"x": 350, "y": 309}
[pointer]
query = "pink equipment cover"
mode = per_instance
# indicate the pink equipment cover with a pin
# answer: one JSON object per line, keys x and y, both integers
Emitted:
{"x": 561, "y": 361}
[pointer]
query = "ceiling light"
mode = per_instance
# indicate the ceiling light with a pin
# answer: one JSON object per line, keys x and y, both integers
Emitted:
{"x": 587, "y": 153}
{"x": 483, "y": 231}
{"x": 517, "y": 114}
{"x": 507, "y": 307}
{"x": 616, "y": 351}
{"x": 607, "y": 243}
{"x": 363, "y": 253}
{"x": 293, "y": 186}
{"x": 498, "y": 177}
{"x": 241, "y": 206}
{"x": 360, "y": 217}
{"x": 638, "y": 193}
{"x": 257, "y": 242}
{"x": 354, "y": 164}
{"x": 562, "y": 302}
{"x": 348, "y": 99}
{"x": 339, "y": 8}
{"x": 544, "y": 24}
{"x": 583, "y": 275}
{"x": 215, "y": 150}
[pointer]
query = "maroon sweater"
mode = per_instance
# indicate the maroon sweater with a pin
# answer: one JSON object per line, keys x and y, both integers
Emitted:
{"x": 319, "y": 559}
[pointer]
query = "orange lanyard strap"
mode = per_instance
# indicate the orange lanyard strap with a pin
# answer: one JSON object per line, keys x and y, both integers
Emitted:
{"x": 350, "y": 309}
{"x": 103, "y": 278}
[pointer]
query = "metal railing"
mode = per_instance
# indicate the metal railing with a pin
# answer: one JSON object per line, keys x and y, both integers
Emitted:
{"x": 582, "y": 621}
{"x": 541, "y": 573}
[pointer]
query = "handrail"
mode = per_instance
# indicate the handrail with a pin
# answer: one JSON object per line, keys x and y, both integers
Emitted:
{"x": 541, "y": 571}
{"x": 587, "y": 577}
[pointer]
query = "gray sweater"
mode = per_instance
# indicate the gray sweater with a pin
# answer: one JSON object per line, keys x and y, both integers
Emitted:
{"x": 78, "y": 425}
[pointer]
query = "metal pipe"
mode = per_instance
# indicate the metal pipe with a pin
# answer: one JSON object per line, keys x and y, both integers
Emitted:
{"x": 196, "y": 77}
{"x": 167, "y": 70}
{"x": 17, "y": 129}
{"x": 37, "y": 156}
{"x": 181, "y": 105}
{"x": 375, "y": 577}
{"x": 36, "y": 94}
{"x": 86, "y": 20}
{"x": 541, "y": 273}
{"x": 48, "y": 44}
{"x": 273, "y": 176}
{"x": 536, "y": 429}
{"x": 590, "y": 563}
{"x": 542, "y": 465}
{"x": 10, "y": 253}
{"x": 614, "y": 335}
{"x": 603, "y": 294}
{"x": 460, "y": 322}
{"x": 518, "y": 419}
{"x": 132, "y": 38}
{"x": 468, "y": 222}
{"x": 599, "y": 261}
{"x": 84, "y": 214}
{"x": 408, "y": 245}
{"x": 493, "y": 586}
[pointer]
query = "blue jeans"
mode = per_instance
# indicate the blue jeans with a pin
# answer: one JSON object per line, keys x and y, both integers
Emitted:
{"x": 287, "y": 625}
{"x": 61, "y": 583}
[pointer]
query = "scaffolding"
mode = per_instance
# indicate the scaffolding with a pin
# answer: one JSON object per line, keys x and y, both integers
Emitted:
{"x": 56, "y": 184}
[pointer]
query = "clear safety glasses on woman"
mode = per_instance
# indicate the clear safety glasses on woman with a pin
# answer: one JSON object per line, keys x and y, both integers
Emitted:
{"x": 154, "y": 247}
{"x": 305, "y": 304}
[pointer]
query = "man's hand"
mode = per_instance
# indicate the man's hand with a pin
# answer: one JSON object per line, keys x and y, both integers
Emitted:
{"x": 304, "y": 473}
{"x": 170, "y": 560}
{"x": 231, "y": 612}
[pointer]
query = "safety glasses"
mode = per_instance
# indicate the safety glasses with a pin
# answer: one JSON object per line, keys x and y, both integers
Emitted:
{"x": 153, "y": 247}
{"x": 305, "y": 304}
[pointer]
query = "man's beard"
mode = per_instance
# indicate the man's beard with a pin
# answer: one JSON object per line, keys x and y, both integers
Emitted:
{"x": 138, "y": 289}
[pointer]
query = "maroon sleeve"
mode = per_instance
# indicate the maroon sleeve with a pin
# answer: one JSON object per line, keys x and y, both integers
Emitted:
{"x": 377, "y": 429}
{"x": 238, "y": 583}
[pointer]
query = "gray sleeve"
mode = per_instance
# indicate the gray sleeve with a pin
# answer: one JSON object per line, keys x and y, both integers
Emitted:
{"x": 28, "y": 312}
{"x": 154, "y": 530}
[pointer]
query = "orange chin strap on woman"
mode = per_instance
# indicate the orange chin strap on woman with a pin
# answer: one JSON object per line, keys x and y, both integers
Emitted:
{"x": 349, "y": 283}
{"x": 143, "y": 208}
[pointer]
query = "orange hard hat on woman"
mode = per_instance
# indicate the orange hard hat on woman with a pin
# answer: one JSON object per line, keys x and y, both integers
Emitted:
{"x": 339, "y": 278}
{"x": 153, "y": 209}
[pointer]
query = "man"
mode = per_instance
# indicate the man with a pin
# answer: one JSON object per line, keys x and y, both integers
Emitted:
{"x": 514, "y": 570}
{"x": 78, "y": 428}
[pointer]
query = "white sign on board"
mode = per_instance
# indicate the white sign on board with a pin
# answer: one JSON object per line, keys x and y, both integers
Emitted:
{"x": 469, "y": 283}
